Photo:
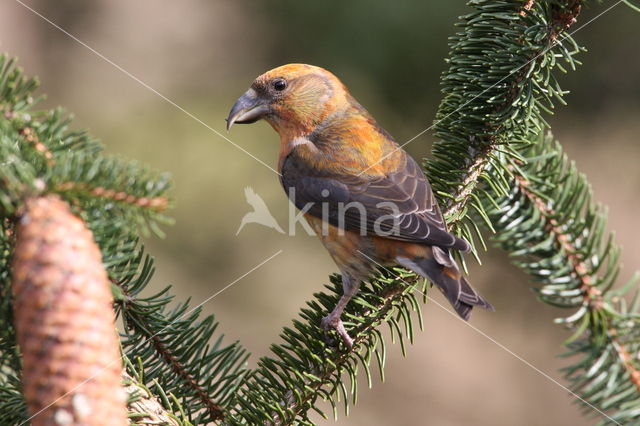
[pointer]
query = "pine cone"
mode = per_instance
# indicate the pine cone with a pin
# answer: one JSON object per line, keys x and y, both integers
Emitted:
{"x": 64, "y": 318}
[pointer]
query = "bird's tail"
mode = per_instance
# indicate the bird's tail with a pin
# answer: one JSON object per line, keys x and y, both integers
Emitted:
{"x": 450, "y": 281}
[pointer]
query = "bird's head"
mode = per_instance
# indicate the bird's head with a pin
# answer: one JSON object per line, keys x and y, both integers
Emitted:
{"x": 293, "y": 98}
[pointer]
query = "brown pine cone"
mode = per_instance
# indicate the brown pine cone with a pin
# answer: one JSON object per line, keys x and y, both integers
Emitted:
{"x": 64, "y": 318}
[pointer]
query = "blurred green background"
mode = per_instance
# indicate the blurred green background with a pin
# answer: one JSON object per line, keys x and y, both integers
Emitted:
{"x": 203, "y": 55}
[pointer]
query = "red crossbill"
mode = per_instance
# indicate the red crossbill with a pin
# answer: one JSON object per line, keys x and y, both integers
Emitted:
{"x": 365, "y": 197}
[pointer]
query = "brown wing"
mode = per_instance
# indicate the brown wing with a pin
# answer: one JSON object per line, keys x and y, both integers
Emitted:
{"x": 398, "y": 206}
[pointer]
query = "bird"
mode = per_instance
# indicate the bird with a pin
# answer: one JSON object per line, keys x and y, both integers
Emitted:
{"x": 368, "y": 201}
{"x": 260, "y": 213}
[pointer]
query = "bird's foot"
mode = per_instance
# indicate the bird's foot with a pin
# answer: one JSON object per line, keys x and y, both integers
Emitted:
{"x": 334, "y": 322}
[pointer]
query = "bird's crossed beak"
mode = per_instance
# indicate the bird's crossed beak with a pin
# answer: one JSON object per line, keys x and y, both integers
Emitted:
{"x": 249, "y": 108}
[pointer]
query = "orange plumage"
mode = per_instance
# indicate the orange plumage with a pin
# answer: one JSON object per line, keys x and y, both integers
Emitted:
{"x": 365, "y": 197}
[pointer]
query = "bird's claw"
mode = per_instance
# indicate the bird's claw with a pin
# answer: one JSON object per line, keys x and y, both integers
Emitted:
{"x": 334, "y": 322}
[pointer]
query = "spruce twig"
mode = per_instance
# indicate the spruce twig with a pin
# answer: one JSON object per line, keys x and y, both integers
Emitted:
{"x": 118, "y": 200}
{"x": 554, "y": 231}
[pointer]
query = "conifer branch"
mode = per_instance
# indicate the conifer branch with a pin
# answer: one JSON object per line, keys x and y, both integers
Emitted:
{"x": 155, "y": 203}
{"x": 284, "y": 389}
{"x": 460, "y": 198}
{"x": 391, "y": 297}
{"x": 144, "y": 408}
{"x": 549, "y": 224}
{"x": 181, "y": 370}
{"x": 31, "y": 136}
{"x": 626, "y": 358}
{"x": 117, "y": 200}
{"x": 175, "y": 345}
{"x": 483, "y": 133}
{"x": 591, "y": 294}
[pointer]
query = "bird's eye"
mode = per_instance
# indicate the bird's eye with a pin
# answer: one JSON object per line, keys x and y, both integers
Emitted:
{"x": 279, "y": 85}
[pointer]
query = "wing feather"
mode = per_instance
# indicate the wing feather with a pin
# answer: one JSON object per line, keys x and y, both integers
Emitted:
{"x": 362, "y": 204}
